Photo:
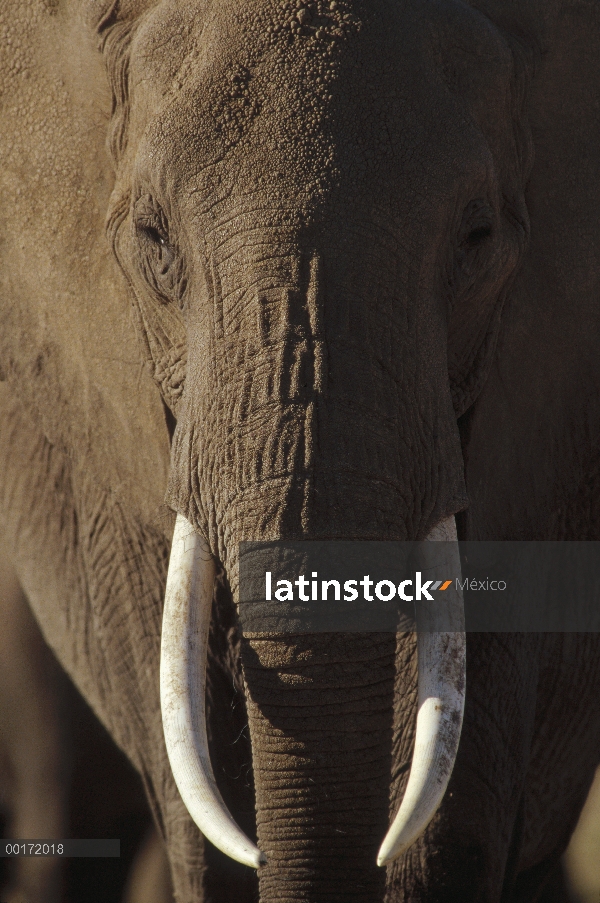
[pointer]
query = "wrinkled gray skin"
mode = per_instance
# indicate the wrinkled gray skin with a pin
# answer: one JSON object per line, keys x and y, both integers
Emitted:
{"x": 36, "y": 762}
{"x": 362, "y": 257}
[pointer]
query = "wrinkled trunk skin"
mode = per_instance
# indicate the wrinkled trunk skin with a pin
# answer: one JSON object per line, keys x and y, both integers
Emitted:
{"x": 307, "y": 411}
{"x": 320, "y": 713}
{"x": 316, "y": 439}
{"x": 304, "y": 421}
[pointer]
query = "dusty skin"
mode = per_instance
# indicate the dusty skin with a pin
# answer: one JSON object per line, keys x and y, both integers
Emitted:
{"x": 307, "y": 270}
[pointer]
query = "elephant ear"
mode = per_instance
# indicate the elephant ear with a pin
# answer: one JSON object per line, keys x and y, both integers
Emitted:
{"x": 532, "y": 439}
{"x": 160, "y": 326}
{"x": 67, "y": 344}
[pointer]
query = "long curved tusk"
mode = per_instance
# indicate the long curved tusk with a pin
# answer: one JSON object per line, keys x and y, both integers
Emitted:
{"x": 442, "y": 676}
{"x": 183, "y": 655}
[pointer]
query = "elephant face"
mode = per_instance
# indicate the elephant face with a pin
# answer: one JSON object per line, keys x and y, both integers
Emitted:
{"x": 319, "y": 209}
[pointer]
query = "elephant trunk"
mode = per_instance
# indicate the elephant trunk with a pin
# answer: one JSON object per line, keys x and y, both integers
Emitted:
{"x": 316, "y": 406}
{"x": 320, "y": 722}
{"x": 320, "y": 715}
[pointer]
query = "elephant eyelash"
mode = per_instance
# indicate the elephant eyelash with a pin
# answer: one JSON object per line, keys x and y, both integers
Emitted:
{"x": 155, "y": 236}
{"x": 152, "y": 227}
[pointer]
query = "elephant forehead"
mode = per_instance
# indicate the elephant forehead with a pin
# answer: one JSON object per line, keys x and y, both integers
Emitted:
{"x": 300, "y": 96}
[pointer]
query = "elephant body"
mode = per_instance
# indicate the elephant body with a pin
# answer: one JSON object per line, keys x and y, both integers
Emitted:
{"x": 301, "y": 272}
{"x": 61, "y": 776}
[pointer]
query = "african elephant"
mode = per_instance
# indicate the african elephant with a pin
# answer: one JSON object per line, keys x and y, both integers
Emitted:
{"x": 306, "y": 270}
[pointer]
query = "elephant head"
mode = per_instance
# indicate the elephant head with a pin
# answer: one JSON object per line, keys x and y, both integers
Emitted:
{"x": 320, "y": 209}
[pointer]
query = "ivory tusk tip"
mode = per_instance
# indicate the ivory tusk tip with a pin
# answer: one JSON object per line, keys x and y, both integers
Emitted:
{"x": 386, "y": 854}
{"x": 250, "y": 856}
{"x": 389, "y": 851}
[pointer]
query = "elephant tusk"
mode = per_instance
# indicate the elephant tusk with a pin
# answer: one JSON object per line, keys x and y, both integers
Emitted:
{"x": 442, "y": 675}
{"x": 184, "y": 650}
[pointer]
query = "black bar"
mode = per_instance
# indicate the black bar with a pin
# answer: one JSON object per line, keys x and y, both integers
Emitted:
{"x": 63, "y": 848}
{"x": 345, "y": 587}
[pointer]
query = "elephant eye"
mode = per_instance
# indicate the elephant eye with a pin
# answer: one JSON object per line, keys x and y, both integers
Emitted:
{"x": 473, "y": 252}
{"x": 157, "y": 258}
{"x": 478, "y": 235}
{"x": 154, "y": 235}
{"x": 476, "y": 226}
{"x": 158, "y": 247}
{"x": 156, "y": 253}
